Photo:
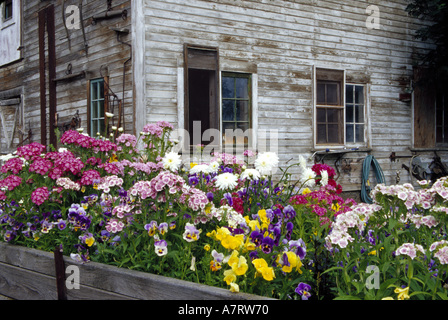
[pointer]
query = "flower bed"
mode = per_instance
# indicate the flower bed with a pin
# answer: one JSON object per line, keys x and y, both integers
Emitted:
{"x": 225, "y": 223}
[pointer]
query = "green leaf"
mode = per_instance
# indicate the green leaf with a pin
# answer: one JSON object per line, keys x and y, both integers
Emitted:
{"x": 442, "y": 295}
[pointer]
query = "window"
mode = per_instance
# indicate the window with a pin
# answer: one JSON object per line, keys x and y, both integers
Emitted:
{"x": 7, "y": 10}
{"x": 97, "y": 107}
{"x": 329, "y": 107}
{"x": 236, "y": 105}
{"x": 340, "y": 110}
{"x": 201, "y": 103}
{"x": 354, "y": 113}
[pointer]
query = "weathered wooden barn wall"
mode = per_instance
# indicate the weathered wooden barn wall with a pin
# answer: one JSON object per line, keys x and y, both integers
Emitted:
{"x": 281, "y": 42}
{"x": 99, "y": 54}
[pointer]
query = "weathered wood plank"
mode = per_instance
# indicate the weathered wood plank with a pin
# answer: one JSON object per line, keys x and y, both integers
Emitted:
{"x": 30, "y": 274}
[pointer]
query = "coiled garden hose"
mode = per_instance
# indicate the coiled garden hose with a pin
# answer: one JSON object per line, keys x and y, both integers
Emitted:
{"x": 369, "y": 162}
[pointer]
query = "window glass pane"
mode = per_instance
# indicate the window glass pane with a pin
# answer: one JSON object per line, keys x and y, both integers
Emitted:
{"x": 321, "y": 133}
{"x": 349, "y": 94}
{"x": 349, "y": 136}
{"x": 359, "y": 133}
{"x": 94, "y": 110}
{"x": 226, "y": 126}
{"x": 244, "y": 138}
{"x": 320, "y": 93}
{"x": 101, "y": 109}
{"x": 228, "y": 112}
{"x": 242, "y": 85}
{"x": 321, "y": 115}
{"x": 101, "y": 126}
{"x": 332, "y": 94}
{"x": 94, "y": 90}
{"x": 333, "y": 115}
{"x": 359, "y": 94}
{"x": 349, "y": 113}
{"x": 333, "y": 133}
{"x": 242, "y": 110}
{"x": 359, "y": 118}
{"x": 228, "y": 87}
{"x": 8, "y": 10}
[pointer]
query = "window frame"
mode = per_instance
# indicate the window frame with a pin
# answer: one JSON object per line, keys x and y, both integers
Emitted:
{"x": 249, "y": 121}
{"x": 326, "y": 76}
{"x": 330, "y": 75}
{"x": 354, "y": 123}
{"x": 90, "y": 118}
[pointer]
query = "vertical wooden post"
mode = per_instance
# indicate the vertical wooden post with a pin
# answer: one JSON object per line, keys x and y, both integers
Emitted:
{"x": 60, "y": 274}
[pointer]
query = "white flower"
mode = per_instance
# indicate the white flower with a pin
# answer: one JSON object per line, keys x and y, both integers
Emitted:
{"x": 250, "y": 174}
{"x": 109, "y": 115}
{"x": 213, "y": 167}
{"x": 200, "y": 168}
{"x": 324, "y": 178}
{"x": 226, "y": 180}
{"x": 308, "y": 177}
{"x": 266, "y": 163}
{"x": 171, "y": 161}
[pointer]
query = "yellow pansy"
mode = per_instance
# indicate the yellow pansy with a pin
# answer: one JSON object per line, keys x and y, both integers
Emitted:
{"x": 233, "y": 258}
{"x": 240, "y": 267}
{"x": 229, "y": 276}
{"x": 262, "y": 267}
{"x": 90, "y": 241}
{"x": 262, "y": 216}
{"x": 232, "y": 242}
{"x": 192, "y": 165}
{"x": 254, "y": 224}
{"x": 306, "y": 191}
{"x": 207, "y": 247}
{"x": 372, "y": 253}
{"x": 249, "y": 245}
{"x": 234, "y": 287}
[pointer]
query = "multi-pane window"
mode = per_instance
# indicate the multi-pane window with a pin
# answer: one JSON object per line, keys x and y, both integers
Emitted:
{"x": 329, "y": 107}
{"x": 340, "y": 110}
{"x": 236, "y": 103}
{"x": 97, "y": 111}
{"x": 354, "y": 113}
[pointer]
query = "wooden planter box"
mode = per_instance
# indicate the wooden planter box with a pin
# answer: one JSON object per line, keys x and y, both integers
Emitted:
{"x": 29, "y": 274}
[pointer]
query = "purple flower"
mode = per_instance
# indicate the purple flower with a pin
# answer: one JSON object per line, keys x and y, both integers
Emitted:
{"x": 267, "y": 244}
{"x": 210, "y": 196}
{"x": 289, "y": 227}
{"x": 256, "y": 237}
{"x": 62, "y": 224}
{"x": 298, "y": 247}
{"x": 193, "y": 180}
{"x": 289, "y": 212}
{"x": 161, "y": 247}
{"x": 303, "y": 290}
{"x": 229, "y": 199}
